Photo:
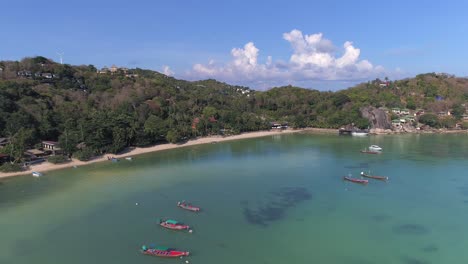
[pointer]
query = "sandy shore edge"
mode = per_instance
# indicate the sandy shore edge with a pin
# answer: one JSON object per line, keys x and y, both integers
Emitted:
{"x": 47, "y": 166}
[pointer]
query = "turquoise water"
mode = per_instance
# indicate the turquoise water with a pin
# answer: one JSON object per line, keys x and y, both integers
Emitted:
{"x": 278, "y": 199}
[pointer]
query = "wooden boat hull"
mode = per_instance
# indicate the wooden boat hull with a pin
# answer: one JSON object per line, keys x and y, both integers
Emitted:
{"x": 165, "y": 253}
{"x": 382, "y": 178}
{"x": 370, "y": 152}
{"x": 174, "y": 227}
{"x": 359, "y": 181}
{"x": 188, "y": 207}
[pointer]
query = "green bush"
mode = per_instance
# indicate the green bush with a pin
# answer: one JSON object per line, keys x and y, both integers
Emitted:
{"x": 464, "y": 125}
{"x": 429, "y": 119}
{"x": 8, "y": 167}
{"x": 84, "y": 154}
{"x": 57, "y": 159}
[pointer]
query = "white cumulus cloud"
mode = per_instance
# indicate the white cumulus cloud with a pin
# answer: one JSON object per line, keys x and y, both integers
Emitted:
{"x": 313, "y": 58}
{"x": 167, "y": 71}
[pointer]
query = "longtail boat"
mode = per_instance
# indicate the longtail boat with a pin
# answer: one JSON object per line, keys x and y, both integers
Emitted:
{"x": 173, "y": 224}
{"x": 188, "y": 206}
{"x": 164, "y": 252}
{"x": 360, "y": 181}
{"x": 382, "y": 178}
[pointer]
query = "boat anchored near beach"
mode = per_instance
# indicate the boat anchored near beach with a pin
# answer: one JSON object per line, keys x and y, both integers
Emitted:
{"x": 359, "y": 133}
{"x": 375, "y": 148}
{"x": 36, "y": 174}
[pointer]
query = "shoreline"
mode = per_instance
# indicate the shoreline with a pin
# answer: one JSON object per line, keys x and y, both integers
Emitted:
{"x": 47, "y": 166}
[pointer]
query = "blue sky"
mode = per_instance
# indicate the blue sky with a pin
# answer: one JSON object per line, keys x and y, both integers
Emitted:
{"x": 325, "y": 45}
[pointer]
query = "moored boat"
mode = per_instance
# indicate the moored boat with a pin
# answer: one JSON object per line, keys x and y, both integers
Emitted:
{"x": 368, "y": 151}
{"x": 375, "y": 148}
{"x": 382, "y": 178}
{"x": 36, "y": 174}
{"x": 188, "y": 206}
{"x": 355, "y": 180}
{"x": 173, "y": 224}
{"x": 163, "y": 252}
{"x": 359, "y": 133}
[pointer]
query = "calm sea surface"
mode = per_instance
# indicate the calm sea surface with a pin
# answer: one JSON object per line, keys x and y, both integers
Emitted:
{"x": 271, "y": 200}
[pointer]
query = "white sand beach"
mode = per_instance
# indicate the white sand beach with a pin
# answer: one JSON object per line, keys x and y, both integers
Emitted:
{"x": 47, "y": 166}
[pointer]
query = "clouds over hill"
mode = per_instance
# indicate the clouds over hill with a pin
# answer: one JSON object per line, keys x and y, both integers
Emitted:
{"x": 313, "y": 58}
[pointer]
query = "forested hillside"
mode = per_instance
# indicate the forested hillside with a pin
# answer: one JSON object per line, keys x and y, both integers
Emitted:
{"x": 91, "y": 111}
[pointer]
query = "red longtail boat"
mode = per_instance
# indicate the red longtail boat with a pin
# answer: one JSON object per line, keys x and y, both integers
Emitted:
{"x": 382, "y": 178}
{"x": 187, "y": 206}
{"x": 173, "y": 224}
{"x": 164, "y": 252}
{"x": 360, "y": 181}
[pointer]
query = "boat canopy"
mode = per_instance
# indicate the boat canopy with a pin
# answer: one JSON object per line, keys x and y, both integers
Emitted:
{"x": 162, "y": 248}
{"x": 173, "y": 222}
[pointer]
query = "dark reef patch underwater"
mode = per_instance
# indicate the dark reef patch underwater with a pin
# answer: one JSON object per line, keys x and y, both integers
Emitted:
{"x": 274, "y": 209}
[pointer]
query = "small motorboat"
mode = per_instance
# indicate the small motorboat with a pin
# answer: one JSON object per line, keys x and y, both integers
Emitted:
{"x": 382, "y": 178}
{"x": 188, "y": 206}
{"x": 163, "y": 252}
{"x": 375, "y": 148}
{"x": 355, "y": 180}
{"x": 359, "y": 133}
{"x": 173, "y": 224}
{"x": 129, "y": 158}
{"x": 36, "y": 174}
{"x": 368, "y": 151}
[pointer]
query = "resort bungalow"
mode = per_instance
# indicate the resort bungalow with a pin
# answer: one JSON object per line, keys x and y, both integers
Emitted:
{"x": 409, "y": 118}
{"x": 34, "y": 154}
{"x": 278, "y": 125}
{"x": 51, "y": 146}
{"x": 404, "y": 111}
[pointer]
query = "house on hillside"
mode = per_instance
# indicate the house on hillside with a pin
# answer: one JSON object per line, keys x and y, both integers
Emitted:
{"x": 404, "y": 111}
{"x": 444, "y": 113}
{"x": 4, "y": 142}
{"x": 103, "y": 70}
{"x": 26, "y": 74}
{"x": 114, "y": 69}
{"x": 384, "y": 84}
{"x": 47, "y": 75}
{"x": 396, "y": 110}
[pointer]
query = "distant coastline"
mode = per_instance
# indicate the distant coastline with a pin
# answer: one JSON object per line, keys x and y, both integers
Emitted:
{"x": 47, "y": 166}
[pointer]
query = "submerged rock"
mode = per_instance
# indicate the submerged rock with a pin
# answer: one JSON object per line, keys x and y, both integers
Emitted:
{"x": 276, "y": 206}
{"x": 430, "y": 248}
{"x": 411, "y": 229}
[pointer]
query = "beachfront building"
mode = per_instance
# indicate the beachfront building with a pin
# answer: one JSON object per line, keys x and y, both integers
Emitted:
{"x": 278, "y": 125}
{"x": 51, "y": 147}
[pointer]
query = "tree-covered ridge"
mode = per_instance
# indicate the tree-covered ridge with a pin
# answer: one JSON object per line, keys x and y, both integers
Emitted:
{"x": 92, "y": 111}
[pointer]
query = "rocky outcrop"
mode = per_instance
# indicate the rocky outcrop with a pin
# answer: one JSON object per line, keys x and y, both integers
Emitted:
{"x": 378, "y": 119}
